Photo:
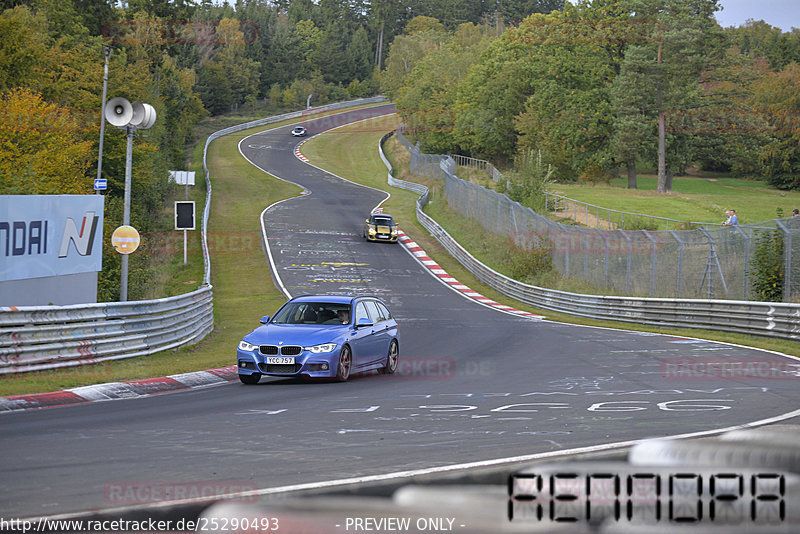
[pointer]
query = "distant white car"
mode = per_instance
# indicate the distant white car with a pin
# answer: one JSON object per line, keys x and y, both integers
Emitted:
{"x": 299, "y": 131}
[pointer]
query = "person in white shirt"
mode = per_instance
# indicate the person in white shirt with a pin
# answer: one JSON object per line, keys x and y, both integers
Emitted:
{"x": 732, "y": 220}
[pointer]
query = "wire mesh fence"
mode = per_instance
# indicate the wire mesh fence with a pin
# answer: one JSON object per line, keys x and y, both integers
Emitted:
{"x": 712, "y": 262}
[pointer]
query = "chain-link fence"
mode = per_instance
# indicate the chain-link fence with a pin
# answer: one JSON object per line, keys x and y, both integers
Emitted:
{"x": 712, "y": 262}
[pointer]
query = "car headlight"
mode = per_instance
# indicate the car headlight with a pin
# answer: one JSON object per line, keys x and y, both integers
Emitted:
{"x": 318, "y": 349}
{"x": 394, "y": 230}
{"x": 372, "y": 231}
{"x": 247, "y": 347}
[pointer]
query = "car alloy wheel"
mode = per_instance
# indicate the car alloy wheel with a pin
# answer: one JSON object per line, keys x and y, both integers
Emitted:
{"x": 391, "y": 359}
{"x": 343, "y": 367}
{"x": 250, "y": 379}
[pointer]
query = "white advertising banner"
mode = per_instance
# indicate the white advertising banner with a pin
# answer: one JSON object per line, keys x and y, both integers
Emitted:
{"x": 50, "y": 235}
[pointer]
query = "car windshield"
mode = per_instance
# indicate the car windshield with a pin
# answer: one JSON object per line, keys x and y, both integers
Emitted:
{"x": 383, "y": 220}
{"x": 326, "y": 313}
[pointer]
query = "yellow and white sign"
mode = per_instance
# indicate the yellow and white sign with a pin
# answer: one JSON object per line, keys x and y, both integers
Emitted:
{"x": 125, "y": 239}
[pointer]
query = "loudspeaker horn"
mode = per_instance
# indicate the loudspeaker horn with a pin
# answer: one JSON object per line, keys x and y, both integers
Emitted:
{"x": 144, "y": 116}
{"x": 119, "y": 112}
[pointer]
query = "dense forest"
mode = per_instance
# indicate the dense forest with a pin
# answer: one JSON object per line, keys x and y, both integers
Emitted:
{"x": 594, "y": 89}
{"x": 602, "y": 87}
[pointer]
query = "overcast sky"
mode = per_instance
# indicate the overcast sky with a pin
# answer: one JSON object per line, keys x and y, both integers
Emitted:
{"x": 784, "y": 14}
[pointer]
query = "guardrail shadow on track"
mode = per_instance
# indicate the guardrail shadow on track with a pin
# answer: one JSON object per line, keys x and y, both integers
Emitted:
{"x": 772, "y": 319}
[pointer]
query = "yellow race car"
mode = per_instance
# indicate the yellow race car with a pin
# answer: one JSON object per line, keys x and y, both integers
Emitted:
{"x": 380, "y": 227}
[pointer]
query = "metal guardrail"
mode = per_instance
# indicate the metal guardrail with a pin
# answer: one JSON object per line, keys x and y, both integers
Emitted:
{"x": 747, "y": 317}
{"x": 480, "y": 164}
{"x": 35, "y": 338}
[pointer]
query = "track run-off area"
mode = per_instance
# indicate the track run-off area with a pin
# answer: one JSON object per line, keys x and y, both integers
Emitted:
{"x": 476, "y": 385}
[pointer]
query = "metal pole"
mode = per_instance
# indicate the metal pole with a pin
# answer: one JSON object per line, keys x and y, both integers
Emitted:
{"x": 605, "y": 263}
{"x": 746, "y": 258}
{"x": 787, "y": 266}
{"x": 184, "y": 246}
{"x": 680, "y": 261}
{"x": 652, "y": 262}
{"x": 126, "y": 214}
{"x": 107, "y": 53}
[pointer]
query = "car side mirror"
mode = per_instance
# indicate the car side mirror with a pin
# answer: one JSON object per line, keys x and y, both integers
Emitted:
{"x": 364, "y": 321}
{"x": 265, "y": 319}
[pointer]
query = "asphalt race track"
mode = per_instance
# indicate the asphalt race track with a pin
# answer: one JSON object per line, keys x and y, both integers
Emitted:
{"x": 474, "y": 384}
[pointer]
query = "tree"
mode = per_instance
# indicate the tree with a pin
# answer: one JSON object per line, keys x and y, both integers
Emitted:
{"x": 428, "y": 96}
{"x": 729, "y": 133}
{"x": 567, "y": 115}
{"x": 423, "y": 24}
{"x": 516, "y": 10}
{"x": 683, "y": 39}
{"x": 404, "y": 53}
{"x": 330, "y": 58}
{"x": 758, "y": 39}
{"x": 359, "y": 56}
{"x": 386, "y": 19}
{"x": 777, "y": 98}
{"x": 630, "y": 107}
{"x": 229, "y": 77}
{"x": 23, "y": 47}
{"x": 43, "y": 150}
{"x": 491, "y": 94}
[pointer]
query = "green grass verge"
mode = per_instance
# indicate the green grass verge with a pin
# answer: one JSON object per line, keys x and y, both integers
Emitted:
{"x": 243, "y": 286}
{"x": 352, "y": 154}
{"x": 692, "y": 198}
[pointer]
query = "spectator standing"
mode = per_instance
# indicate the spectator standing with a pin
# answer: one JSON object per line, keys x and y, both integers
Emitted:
{"x": 732, "y": 220}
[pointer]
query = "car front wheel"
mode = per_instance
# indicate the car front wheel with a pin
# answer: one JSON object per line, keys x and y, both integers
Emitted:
{"x": 343, "y": 367}
{"x": 391, "y": 359}
{"x": 250, "y": 379}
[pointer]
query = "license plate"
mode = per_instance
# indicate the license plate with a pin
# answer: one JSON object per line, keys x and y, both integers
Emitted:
{"x": 280, "y": 360}
{"x": 383, "y": 236}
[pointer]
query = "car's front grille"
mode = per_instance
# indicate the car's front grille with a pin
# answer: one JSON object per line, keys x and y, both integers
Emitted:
{"x": 288, "y": 350}
{"x": 282, "y": 368}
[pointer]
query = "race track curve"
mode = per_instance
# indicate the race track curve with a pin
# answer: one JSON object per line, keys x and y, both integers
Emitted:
{"x": 475, "y": 384}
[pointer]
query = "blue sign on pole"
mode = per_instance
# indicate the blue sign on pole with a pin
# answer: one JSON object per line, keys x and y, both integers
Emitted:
{"x": 100, "y": 184}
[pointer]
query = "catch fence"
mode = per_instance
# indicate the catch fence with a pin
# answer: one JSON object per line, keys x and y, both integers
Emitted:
{"x": 708, "y": 262}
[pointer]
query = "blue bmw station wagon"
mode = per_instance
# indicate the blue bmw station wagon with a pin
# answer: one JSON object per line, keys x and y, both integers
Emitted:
{"x": 321, "y": 336}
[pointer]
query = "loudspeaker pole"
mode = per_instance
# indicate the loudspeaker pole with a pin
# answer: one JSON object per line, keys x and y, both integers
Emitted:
{"x": 126, "y": 213}
{"x": 130, "y": 117}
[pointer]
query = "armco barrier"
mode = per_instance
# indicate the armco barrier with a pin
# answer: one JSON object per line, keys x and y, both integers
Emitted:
{"x": 35, "y": 338}
{"x": 747, "y": 317}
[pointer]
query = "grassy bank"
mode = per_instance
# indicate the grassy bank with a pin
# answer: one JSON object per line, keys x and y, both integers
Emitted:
{"x": 693, "y": 198}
